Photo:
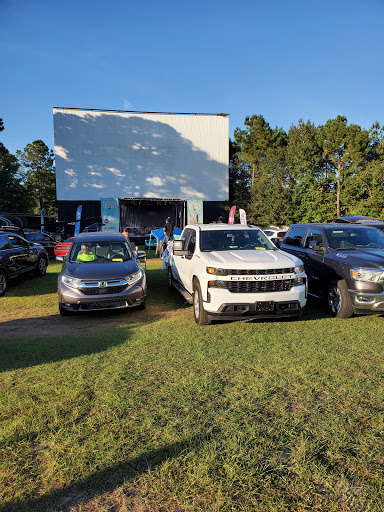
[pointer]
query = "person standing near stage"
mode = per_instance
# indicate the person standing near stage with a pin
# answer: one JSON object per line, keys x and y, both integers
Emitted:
{"x": 168, "y": 230}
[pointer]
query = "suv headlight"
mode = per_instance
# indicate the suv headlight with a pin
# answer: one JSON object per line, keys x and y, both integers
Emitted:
{"x": 71, "y": 281}
{"x": 217, "y": 271}
{"x": 133, "y": 278}
{"x": 370, "y": 275}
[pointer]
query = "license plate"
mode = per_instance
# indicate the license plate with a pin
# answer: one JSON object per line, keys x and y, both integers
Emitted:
{"x": 265, "y": 306}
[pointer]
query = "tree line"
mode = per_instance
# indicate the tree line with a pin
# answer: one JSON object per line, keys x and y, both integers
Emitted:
{"x": 310, "y": 174}
{"x": 27, "y": 179}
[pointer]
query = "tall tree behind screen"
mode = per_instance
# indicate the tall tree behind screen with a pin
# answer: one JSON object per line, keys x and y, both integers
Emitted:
{"x": 39, "y": 177}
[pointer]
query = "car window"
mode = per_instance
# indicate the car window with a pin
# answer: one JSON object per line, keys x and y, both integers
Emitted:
{"x": 191, "y": 246}
{"x": 295, "y": 236}
{"x": 17, "y": 242}
{"x": 4, "y": 243}
{"x": 269, "y": 233}
{"x": 314, "y": 235}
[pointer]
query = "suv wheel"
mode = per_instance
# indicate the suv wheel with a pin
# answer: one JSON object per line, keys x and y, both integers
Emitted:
{"x": 63, "y": 311}
{"x": 201, "y": 317}
{"x": 338, "y": 299}
{"x": 41, "y": 266}
{"x": 3, "y": 283}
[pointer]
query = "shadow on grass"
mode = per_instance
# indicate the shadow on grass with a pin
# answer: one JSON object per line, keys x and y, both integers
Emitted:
{"x": 87, "y": 336}
{"x": 105, "y": 480}
{"x": 29, "y": 284}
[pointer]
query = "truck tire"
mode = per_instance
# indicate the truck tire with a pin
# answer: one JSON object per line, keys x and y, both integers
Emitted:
{"x": 3, "y": 283}
{"x": 338, "y": 300}
{"x": 201, "y": 317}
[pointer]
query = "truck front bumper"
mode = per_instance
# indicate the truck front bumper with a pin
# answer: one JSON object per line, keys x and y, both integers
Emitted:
{"x": 222, "y": 303}
{"x": 364, "y": 302}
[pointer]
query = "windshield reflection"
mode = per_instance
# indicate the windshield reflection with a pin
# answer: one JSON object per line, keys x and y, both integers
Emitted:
{"x": 228, "y": 240}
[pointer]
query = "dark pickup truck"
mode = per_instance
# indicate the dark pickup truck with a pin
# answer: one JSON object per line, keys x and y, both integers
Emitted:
{"x": 344, "y": 264}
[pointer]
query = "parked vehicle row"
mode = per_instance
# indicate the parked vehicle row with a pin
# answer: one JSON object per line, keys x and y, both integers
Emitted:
{"x": 226, "y": 271}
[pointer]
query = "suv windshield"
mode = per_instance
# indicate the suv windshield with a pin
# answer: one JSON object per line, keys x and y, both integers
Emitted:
{"x": 96, "y": 252}
{"x": 352, "y": 238}
{"x": 228, "y": 240}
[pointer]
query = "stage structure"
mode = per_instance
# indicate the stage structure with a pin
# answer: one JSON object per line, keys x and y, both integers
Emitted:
{"x": 151, "y": 162}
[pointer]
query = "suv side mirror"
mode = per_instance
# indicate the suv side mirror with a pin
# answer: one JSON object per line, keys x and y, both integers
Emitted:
{"x": 315, "y": 246}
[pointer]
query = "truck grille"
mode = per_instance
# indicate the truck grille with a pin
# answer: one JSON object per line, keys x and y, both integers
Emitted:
{"x": 260, "y": 286}
{"x": 258, "y": 272}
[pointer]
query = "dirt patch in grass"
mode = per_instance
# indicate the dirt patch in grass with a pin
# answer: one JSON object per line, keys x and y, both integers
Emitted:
{"x": 39, "y": 327}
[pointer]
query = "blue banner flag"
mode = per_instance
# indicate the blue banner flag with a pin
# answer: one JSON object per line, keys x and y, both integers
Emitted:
{"x": 42, "y": 221}
{"x": 78, "y": 219}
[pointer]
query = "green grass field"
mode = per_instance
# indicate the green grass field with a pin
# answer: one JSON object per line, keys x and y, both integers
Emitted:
{"x": 145, "y": 411}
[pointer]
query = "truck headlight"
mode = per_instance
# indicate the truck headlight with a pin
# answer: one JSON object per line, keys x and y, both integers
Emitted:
{"x": 299, "y": 269}
{"x": 370, "y": 275}
{"x": 71, "y": 281}
{"x": 217, "y": 271}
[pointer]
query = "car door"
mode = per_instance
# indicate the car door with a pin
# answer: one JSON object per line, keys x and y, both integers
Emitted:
{"x": 23, "y": 255}
{"x": 7, "y": 262}
{"x": 315, "y": 268}
{"x": 186, "y": 263}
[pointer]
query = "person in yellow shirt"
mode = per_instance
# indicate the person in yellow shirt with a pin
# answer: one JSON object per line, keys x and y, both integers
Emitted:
{"x": 85, "y": 254}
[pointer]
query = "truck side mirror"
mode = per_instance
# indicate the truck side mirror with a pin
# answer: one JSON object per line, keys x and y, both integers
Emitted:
{"x": 178, "y": 248}
{"x": 315, "y": 246}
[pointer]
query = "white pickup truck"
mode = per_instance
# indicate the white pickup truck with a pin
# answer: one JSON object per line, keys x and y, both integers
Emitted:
{"x": 232, "y": 272}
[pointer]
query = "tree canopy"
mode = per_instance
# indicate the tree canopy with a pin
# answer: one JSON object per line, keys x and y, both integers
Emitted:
{"x": 310, "y": 174}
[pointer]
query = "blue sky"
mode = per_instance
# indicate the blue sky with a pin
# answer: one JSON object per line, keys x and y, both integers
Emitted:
{"x": 285, "y": 60}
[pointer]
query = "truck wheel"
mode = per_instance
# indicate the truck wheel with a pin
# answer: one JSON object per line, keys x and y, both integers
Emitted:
{"x": 338, "y": 299}
{"x": 170, "y": 279}
{"x": 41, "y": 266}
{"x": 201, "y": 317}
{"x": 3, "y": 283}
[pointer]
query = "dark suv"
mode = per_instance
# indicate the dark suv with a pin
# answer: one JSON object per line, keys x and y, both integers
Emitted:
{"x": 344, "y": 264}
{"x": 18, "y": 256}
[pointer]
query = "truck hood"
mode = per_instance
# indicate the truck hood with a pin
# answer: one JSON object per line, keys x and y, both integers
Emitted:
{"x": 368, "y": 258}
{"x": 101, "y": 271}
{"x": 252, "y": 259}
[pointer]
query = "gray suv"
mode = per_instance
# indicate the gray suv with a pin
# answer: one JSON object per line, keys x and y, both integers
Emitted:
{"x": 101, "y": 272}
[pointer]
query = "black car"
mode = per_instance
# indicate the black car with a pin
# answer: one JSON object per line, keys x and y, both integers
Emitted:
{"x": 18, "y": 256}
{"x": 47, "y": 241}
{"x": 344, "y": 264}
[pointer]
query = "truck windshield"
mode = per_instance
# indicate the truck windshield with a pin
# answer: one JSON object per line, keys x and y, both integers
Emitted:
{"x": 353, "y": 238}
{"x": 234, "y": 240}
